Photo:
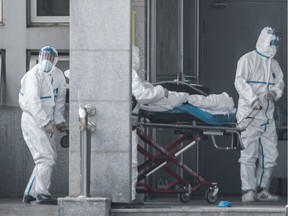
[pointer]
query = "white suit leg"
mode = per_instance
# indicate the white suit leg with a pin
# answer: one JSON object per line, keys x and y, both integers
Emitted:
{"x": 268, "y": 154}
{"x": 29, "y": 190}
{"x": 43, "y": 150}
{"x": 43, "y": 177}
{"x": 248, "y": 176}
{"x": 264, "y": 177}
{"x": 134, "y": 163}
{"x": 249, "y": 157}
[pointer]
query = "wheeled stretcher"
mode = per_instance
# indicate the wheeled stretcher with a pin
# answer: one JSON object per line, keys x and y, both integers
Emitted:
{"x": 192, "y": 125}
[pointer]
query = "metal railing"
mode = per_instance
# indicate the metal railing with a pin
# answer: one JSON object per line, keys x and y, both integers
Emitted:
{"x": 86, "y": 128}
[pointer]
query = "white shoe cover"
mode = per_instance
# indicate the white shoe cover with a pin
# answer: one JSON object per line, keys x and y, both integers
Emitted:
{"x": 249, "y": 196}
{"x": 264, "y": 195}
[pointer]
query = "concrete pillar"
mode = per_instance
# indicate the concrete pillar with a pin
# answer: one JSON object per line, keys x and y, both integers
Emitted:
{"x": 100, "y": 65}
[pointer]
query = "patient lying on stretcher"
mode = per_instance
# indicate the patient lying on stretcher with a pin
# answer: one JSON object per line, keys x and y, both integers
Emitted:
{"x": 159, "y": 99}
{"x": 153, "y": 98}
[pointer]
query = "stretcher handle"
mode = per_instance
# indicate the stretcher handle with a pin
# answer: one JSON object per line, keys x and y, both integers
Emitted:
{"x": 249, "y": 116}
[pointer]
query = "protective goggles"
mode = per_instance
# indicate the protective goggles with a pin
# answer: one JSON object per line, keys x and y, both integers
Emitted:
{"x": 273, "y": 32}
{"x": 278, "y": 35}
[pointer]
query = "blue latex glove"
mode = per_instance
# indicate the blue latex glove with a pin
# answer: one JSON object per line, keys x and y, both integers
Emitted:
{"x": 224, "y": 204}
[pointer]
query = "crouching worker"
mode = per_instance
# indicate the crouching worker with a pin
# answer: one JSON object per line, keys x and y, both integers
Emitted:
{"x": 42, "y": 100}
{"x": 144, "y": 92}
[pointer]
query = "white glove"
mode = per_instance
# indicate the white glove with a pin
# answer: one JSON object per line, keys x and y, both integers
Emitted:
{"x": 49, "y": 128}
{"x": 166, "y": 92}
{"x": 271, "y": 95}
{"x": 60, "y": 126}
{"x": 257, "y": 105}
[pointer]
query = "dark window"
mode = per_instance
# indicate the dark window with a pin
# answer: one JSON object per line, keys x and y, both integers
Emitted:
{"x": 52, "y": 7}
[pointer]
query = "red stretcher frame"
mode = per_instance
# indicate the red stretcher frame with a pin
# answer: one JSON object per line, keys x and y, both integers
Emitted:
{"x": 192, "y": 134}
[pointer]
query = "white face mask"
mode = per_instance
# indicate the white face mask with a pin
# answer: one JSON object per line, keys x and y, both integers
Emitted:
{"x": 46, "y": 66}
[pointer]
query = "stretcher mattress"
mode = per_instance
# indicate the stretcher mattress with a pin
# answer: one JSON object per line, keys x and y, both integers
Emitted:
{"x": 188, "y": 113}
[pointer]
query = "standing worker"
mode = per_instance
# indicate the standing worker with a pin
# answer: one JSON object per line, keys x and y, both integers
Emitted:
{"x": 42, "y": 100}
{"x": 259, "y": 82}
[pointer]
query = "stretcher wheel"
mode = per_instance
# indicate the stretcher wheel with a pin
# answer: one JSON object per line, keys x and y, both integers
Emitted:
{"x": 210, "y": 198}
{"x": 184, "y": 197}
{"x": 65, "y": 141}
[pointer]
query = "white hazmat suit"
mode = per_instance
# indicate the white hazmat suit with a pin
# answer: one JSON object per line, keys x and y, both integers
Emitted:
{"x": 259, "y": 82}
{"x": 42, "y": 100}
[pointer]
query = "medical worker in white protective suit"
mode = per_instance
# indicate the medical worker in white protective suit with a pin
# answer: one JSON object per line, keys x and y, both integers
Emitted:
{"x": 144, "y": 92}
{"x": 259, "y": 82}
{"x": 42, "y": 100}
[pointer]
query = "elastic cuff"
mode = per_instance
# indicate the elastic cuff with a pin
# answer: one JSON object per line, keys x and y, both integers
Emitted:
{"x": 246, "y": 191}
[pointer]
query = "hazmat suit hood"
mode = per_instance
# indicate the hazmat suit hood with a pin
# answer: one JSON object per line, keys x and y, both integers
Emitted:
{"x": 268, "y": 42}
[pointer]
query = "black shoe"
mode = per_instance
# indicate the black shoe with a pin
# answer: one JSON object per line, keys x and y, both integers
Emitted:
{"x": 46, "y": 199}
{"x": 28, "y": 198}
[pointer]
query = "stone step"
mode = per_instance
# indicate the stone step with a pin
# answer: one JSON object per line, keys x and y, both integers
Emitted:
{"x": 200, "y": 211}
{"x": 171, "y": 206}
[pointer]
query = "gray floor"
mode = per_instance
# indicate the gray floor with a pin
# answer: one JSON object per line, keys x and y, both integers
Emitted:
{"x": 15, "y": 207}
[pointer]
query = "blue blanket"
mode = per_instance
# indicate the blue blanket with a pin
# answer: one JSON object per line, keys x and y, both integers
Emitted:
{"x": 204, "y": 116}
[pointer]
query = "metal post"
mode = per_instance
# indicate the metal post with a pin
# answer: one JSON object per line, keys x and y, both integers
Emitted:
{"x": 84, "y": 154}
